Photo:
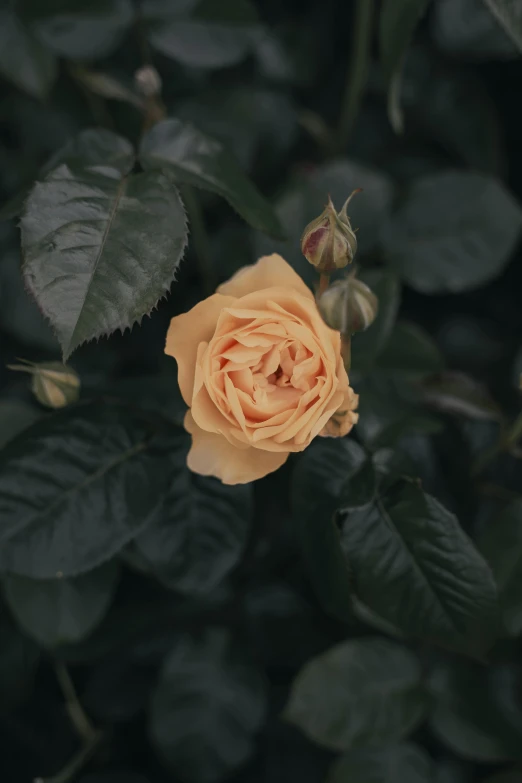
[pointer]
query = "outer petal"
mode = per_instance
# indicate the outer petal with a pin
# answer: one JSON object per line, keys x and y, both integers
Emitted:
{"x": 213, "y": 455}
{"x": 269, "y": 271}
{"x": 187, "y": 331}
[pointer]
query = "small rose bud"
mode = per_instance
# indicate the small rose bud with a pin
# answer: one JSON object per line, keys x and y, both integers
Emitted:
{"x": 53, "y": 384}
{"x": 329, "y": 242}
{"x": 348, "y": 306}
{"x": 148, "y": 81}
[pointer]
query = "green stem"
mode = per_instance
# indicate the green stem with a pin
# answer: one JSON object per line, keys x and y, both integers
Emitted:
{"x": 200, "y": 239}
{"x": 77, "y": 762}
{"x": 324, "y": 282}
{"x": 357, "y": 71}
{"x": 79, "y": 719}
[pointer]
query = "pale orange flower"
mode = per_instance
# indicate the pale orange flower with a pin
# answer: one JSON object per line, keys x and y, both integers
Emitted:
{"x": 261, "y": 373}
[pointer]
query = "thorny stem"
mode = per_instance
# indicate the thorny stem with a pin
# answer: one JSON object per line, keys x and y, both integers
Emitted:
{"x": 357, "y": 71}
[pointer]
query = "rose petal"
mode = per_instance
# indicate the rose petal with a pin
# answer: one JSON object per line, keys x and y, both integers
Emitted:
{"x": 185, "y": 333}
{"x": 268, "y": 272}
{"x": 213, "y": 455}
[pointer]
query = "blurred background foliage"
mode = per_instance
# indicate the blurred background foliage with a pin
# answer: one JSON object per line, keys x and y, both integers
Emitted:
{"x": 333, "y": 622}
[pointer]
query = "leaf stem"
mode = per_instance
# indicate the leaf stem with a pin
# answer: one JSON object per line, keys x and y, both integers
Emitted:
{"x": 200, "y": 238}
{"x": 77, "y": 762}
{"x": 76, "y": 713}
{"x": 357, "y": 72}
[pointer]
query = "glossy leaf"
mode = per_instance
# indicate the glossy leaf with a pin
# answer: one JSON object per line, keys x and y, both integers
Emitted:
{"x": 61, "y": 611}
{"x": 318, "y": 482}
{"x": 413, "y": 564}
{"x": 501, "y": 545}
{"x": 85, "y": 30}
{"x": 94, "y": 149}
{"x": 85, "y": 465}
{"x": 215, "y": 35}
{"x": 201, "y": 533}
{"x": 474, "y": 712}
{"x": 100, "y": 249}
{"x": 208, "y": 704}
{"x": 454, "y": 231}
{"x": 508, "y": 13}
{"x": 402, "y": 763}
{"x": 397, "y": 23}
{"x": 23, "y": 60}
{"x": 381, "y": 699}
{"x": 19, "y": 313}
{"x": 193, "y": 158}
{"x": 15, "y": 416}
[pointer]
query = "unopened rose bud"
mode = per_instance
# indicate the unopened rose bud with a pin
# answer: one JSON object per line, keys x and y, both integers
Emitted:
{"x": 53, "y": 384}
{"x": 148, "y": 81}
{"x": 329, "y": 242}
{"x": 348, "y": 306}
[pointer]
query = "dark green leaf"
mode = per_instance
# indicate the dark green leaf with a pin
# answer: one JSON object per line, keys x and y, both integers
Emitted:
{"x": 97, "y": 475}
{"x": 381, "y": 698}
{"x": 501, "y": 545}
{"x": 367, "y": 345}
{"x": 468, "y": 29}
{"x": 413, "y": 564}
{"x": 409, "y": 353}
{"x": 403, "y": 763}
{"x": 457, "y": 393}
{"x": 318, "y": 481}
{"x": 509, "y": 15}
{"x": 18, "y": 661}
{"x": 247, "y": 121}
{"x": 216, "y": 35}
{"x": 83, "y": 31}
{"x": 100, "y": 249}
{"x": 15, "y": 416}
{"x": 95, "y": 149}
{"x": 202, "y": 532}
{"x": 208, "y": 704}
{"x": 195, "y": 159}
{"x": 475, "y": 713}
{"x": 23, "y": 60}
{"x": 455, "y": 231}
{"x": 398, "y": 21}
{"x": 61, "y": 611}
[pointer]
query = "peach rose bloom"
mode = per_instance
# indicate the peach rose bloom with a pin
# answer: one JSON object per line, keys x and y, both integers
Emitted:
{"x": 261, "y": 373}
